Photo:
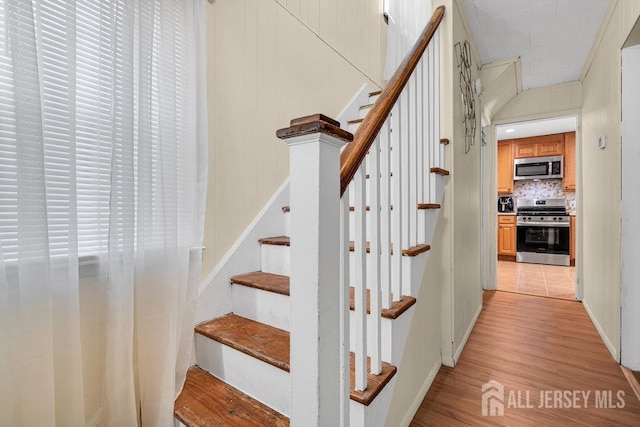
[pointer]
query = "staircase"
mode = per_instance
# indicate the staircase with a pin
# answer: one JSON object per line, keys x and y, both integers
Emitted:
{"x": 245, "y": 352}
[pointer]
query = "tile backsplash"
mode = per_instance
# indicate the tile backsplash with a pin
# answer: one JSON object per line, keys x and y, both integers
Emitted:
{"x": 544, "y": 189}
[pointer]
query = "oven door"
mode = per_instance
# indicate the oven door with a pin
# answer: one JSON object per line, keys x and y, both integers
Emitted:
{"x": 543, "y": 239}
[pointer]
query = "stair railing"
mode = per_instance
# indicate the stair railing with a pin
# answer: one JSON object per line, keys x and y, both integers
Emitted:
{"x": 401, "y": 135}
{"x": 399, "y": 138}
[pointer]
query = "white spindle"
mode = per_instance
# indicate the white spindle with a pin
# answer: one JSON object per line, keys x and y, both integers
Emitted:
{"x": 345, "y": 353}
{"x": 385, "y": 212}
{"x": 396, "y": 213}
{"x": 436, "y": 103}
{"x": 412, "y": 161}
{"x": 421, "y": 131}
{"x": 360, "y": 282}
{"x": 404, "y": 142}
{"x": 374, "y": 266}
{"x": 433, "y": 152}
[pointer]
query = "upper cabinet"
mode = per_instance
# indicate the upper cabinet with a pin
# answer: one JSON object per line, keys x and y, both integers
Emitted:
{"x": 569, "y": 180}
{"x": 505, "y": 167}
{"x": 561, "y": 144}
{"x": 539, "y": 146}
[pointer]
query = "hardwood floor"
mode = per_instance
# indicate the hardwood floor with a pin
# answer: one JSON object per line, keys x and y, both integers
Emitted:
{"x": 537, "y": 345}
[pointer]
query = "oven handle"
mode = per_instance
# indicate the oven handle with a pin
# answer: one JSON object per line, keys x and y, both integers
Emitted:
{"x": 544, "y": 224}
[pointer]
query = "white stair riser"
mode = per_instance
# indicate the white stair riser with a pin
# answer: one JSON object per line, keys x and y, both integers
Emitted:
{"x": 274, "y": 310}
{"x": 262, "y": 306}
{"x": 260, "y": 380}
{"x": 374, "y": 415}
{"x": 275, "y": 259}
{"x": 426, "y": 224}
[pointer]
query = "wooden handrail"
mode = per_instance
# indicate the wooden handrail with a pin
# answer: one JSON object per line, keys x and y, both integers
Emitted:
{"x": 355, "y": 152}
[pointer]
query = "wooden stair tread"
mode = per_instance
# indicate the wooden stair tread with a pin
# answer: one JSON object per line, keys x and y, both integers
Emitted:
{"x": 354, "y": 121}
{"x": 397, "y": 307}
{"x": 208, "y": 401}
{"x": 271, "y": 345}
{"x": 269, "y": 282}
{"x": 439, "y": 171}
{"x": 364, "y": 107}
{"x": 264, "y": 342}
{"x": 277, "y": 241}
{"x": 375, "y": 383}
{"x": 412, "y": 251}
{"x": 444, "y": 141}
{"x": 375, "y": 92}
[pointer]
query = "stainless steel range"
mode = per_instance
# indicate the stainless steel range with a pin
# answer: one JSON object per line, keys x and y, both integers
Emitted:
{"x": 543, "y": 231}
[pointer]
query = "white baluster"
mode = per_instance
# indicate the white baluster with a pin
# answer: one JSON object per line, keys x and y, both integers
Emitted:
{"x": 412, "y": 162}
{"x": 385, "y": 212}
{"x": 360, "y": 282}
{"x": 433, "y": 151}
{"x": 404, "y": 142}
{"x": 345, "y": 355}
{"x": 436, "y": 107}
{"x": 396, "y": 213}
{"x": 421, "y": 127}
{"x": 374, "y": 266}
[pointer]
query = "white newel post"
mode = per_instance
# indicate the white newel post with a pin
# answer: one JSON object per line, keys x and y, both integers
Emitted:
{"x": 315, "y": 143}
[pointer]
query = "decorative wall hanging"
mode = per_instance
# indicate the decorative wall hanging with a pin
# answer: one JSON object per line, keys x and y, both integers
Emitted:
{"x": 483, "y": 136}
{"x": 463, "y": 56}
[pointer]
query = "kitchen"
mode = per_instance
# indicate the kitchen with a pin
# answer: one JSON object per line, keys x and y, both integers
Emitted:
{"x": 537, "y": 208}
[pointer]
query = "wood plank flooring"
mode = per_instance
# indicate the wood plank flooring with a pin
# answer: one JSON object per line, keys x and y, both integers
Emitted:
{"x": 531, "y": 344}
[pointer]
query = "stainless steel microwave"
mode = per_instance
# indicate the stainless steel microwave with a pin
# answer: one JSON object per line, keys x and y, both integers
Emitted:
{"x": 538, "y": 168}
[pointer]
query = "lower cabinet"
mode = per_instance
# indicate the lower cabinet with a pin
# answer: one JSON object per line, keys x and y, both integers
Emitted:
{"x": 507, "y": 235}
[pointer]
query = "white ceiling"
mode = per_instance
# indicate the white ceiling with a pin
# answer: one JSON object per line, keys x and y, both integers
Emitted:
{"x": 536, "y": 128}
{"x": 552, "y": 37}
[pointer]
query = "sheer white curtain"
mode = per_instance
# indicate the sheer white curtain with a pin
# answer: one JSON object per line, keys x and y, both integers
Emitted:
{"x": 407, "y": 19}
{"x": 103, "y": 156}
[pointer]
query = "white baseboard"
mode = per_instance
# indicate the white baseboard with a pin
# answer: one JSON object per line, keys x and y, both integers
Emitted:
{"x": 603, "y": 336}
{"x": 467, "y": 334}
{"x": 411, "y": 412}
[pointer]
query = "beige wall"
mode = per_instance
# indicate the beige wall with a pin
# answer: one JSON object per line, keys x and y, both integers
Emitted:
{"x": 601, "y": 177}
{"x": 268, "y": 62}
{"x": 451, "y": 291}
{"x": 542, "y": 102}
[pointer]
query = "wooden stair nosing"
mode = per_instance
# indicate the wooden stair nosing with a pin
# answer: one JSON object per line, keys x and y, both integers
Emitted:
{"x": 364, "y": 107}
{"x": 421, "y": 207}
{"x": 354, "y": 121}
{"x": 396, "y": 310}
{"x": 285, "y": 241}
{"x": 439, "y": 171}
{"x": 263, "y": 342}
{"x": 444, "y": 141}
{"x": 276, "y": 241}
{"x": 411, "y": 251}
{"x": 269, "y": 282}
{"x": 375, "y": 93}
{"x": 272, "y": 346}
{"x": 208, "y": 401}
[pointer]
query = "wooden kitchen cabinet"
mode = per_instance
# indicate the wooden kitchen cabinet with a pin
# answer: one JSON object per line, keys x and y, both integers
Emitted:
{"x": 539, "y": 146}
{"x": 569, "y": 178}
{"x": 505, "y": 167}
{"x": 572, "y": 237}
{"x": 525, "y": 149}
{"x": 507, "y": 235}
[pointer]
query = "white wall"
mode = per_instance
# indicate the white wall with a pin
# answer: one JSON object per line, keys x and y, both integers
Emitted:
{"x": 451, "y": 293}
{"x": 601, "y": 178}
{"x": 270, "y": 61}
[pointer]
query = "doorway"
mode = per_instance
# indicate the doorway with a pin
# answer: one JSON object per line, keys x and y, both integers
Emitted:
{"x": 536, "y": 213}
